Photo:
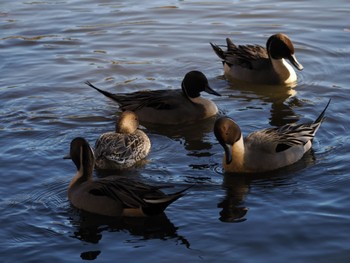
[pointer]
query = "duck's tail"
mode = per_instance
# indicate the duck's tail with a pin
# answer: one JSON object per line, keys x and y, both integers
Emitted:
{"x": 320, "y": 118}
{"x": 157, "y": 205}
{"x": 218, "y": 51}
{"x": 106, "y": 93}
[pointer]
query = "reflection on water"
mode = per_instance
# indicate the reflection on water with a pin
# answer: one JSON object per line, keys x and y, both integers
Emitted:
{"x": 151, "y": 45}
{"x": 90, "y": 227}
{"x": 90, "y": 255}
{"x": 233, "y": 209}
{"x": 237, "y": 186}
{"x": 282, "y": 99}
{"x": 192, "y": 134}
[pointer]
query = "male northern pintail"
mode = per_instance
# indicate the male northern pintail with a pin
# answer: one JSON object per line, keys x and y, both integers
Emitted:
{"x": 124, "y": 147}
{"x": 259, "y": 65}
{"x": 264, "y": 150}
{"x": 169, "y": 106}
{"x": 114, "y": 196}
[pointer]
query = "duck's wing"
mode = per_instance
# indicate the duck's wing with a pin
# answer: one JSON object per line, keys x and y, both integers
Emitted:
{"x": 133, "y": 194}
{"x": 157, "y": 99}
{"x": 247, "y": 56}
{"x": 128, "y": 192}
{"x": 273, "y": 140}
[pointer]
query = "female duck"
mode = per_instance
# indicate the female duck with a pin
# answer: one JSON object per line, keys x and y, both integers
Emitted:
{"x": 118, "y": 197}
{"x": 264, "y": 150}
{"x": 259, "y": 65}
{"x": 169, "y": 106}
{"x": 124, "y": 147}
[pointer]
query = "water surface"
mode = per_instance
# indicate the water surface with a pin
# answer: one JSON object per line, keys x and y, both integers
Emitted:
{"x": 48, "y": 50}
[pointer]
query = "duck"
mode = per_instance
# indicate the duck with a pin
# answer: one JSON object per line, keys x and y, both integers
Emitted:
{"x": 169, "y": 107}
{"x": 259, "y": 65}
{"x": 112, "y": 196}
{"x": 264, "y": 150}
{"x": 123, "y": 148}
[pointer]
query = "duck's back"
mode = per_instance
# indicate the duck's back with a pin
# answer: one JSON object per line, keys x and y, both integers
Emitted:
{"x": 169, "y": 107}
{"x": 265, "y": 152}
{"x": 120, "y": 151}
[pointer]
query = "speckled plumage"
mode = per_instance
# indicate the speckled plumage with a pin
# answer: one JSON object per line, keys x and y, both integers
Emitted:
{"x": 118, "y": 150}
{"x": 124, "y": 147}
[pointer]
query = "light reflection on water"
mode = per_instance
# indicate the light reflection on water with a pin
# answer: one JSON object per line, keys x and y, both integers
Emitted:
{"x": 132, "y": 46}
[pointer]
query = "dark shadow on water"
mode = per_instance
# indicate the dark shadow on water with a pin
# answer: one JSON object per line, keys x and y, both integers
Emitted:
{"x": 237, "y": 187}
{"x": 233, "y": 209}
{"x": 90, "y": 255}
{"x": 192, "y": 133}
{"x": 282, "y": 98}
{"x": 90, "y": 227}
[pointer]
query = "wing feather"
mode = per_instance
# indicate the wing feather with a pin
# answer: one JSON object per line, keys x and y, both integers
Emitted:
{"x": 247, "y": 56}
{"x": 282, "y": 138}
{"x": 130, "y": 193}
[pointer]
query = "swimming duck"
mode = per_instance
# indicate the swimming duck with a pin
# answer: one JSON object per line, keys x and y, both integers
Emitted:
{"x": 264, "y": 150}
{"x": 259, "y": 65}
{"x": 169, "y": 106}
{"x": 124, "y": 147}
{"x": 112, "y": 197}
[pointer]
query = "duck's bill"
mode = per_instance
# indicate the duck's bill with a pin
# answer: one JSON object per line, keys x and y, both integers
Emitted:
{"x": 211, "y": 91}
{"x": 295, "y": 62}
{"x": 228, "y": 153}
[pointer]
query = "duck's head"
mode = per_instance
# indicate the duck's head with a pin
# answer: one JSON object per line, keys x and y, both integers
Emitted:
{"x": 128, "y": 122}
{"x": 82, "y": 156}
{"x": 280, "y": 46}
{"x": 194, "y": 83}
{"x": 227, "y": 132}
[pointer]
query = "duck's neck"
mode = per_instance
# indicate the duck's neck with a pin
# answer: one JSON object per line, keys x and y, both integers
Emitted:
{"x": 284, "y": 70}
{"x": 210, "y": 107}
{"x": 238, "y": 153}
{"x": 84, "y": 173}
{"x": 76, "y": 180}
{"x": 79, "y": 178}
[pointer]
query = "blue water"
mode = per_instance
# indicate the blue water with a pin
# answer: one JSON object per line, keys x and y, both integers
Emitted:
{"x": 49, "y": 48}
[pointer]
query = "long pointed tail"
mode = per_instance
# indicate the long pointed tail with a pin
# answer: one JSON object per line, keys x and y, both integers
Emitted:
{"x": 158, "y": 205}
{"x": 321, "y": 117}
{"x": 106, "y": 93}
{"x": 317, "y": 123}
{"x": 218, "y": 51}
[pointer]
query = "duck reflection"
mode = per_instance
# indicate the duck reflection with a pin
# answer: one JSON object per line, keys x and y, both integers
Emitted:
{"x": 90, "y": 228}
{"x": 233, "y": 209}
{"x": 237, "y": 187}
{"x": 193, "y": 134}
{"x": 282, "y": 98}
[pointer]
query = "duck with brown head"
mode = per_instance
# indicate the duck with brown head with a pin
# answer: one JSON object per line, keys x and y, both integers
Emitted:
{"x": 259, "y": 65}
{"x": 264, "y": 150}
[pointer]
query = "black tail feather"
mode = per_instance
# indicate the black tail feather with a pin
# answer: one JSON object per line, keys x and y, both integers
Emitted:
{"x": 106, "y": 93}
{"x": 158, "y": 206}
{"x": 230, "y": 44}
{"x": 321, "y": 117}
{"x": 218, "y": 51}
